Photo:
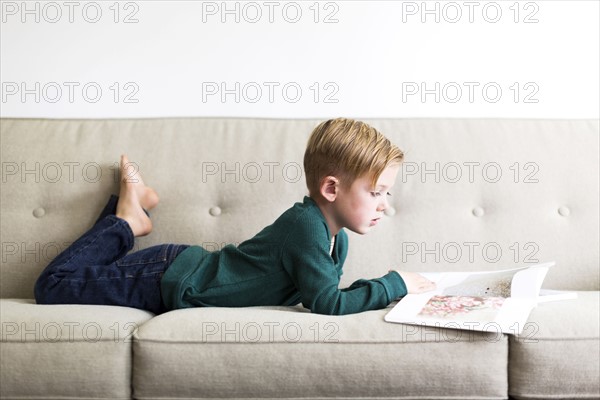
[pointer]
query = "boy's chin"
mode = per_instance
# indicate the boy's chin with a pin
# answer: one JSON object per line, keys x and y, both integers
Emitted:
{"x": 363, "y": 230}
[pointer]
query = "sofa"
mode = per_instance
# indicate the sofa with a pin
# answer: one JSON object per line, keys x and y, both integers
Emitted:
{"x": 472, "y": 194}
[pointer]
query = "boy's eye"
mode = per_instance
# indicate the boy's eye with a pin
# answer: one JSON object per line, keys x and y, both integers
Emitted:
{"x": 375, "y": 194}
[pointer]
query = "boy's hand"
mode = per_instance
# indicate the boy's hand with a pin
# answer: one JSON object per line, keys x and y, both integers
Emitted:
{"x": 416, "y": 283}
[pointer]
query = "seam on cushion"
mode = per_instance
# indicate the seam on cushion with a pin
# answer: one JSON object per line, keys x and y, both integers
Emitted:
{"x": 576, "y": 339}
{"x": 47, "y": 342}
{"x": 553, "y": 396}
{"x": 328, "y": 398}
{"x": 138, "y": 340}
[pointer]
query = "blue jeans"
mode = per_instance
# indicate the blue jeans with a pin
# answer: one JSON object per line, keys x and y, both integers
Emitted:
{"x": 96, "y": 268}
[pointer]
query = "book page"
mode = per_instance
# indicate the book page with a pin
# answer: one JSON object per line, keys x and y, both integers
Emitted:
{"x": 527, "y": 283}
{"x": 461, "y": 308}
{"x": 475, "y": 300}
{"x": 487, "y": 284}
{"x": 547, "y": 295}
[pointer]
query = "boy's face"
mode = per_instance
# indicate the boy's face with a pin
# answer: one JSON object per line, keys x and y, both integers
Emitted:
{"x": 359, "y": 206}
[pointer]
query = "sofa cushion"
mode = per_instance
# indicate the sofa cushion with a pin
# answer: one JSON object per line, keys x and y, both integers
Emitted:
{"x": 558, "y": 354}
{"x": 272, "y": 352}
{"x": 66, "y": 351}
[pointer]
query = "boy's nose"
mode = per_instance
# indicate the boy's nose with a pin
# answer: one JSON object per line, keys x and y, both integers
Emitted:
{"x": 383, "y": 204}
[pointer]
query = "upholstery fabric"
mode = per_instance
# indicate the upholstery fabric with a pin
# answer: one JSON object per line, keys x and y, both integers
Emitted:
{"x": 287, "y": 353}
{"x": 561, "y": 339}
{"x": 66, "y": 351}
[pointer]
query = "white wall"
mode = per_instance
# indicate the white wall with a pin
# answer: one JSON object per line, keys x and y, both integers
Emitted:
{"x": 352, "y": 58}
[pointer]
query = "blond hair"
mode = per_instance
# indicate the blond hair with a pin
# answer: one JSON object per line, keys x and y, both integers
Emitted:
{"x": 348, "y": 150}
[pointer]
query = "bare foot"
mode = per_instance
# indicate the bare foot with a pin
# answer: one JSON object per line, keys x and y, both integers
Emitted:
{"x": 134, "y": 196}
{"x": 130, "y": 172}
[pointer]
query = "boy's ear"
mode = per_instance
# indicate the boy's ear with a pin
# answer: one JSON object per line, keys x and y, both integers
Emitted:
{"x": 329, "y": 188}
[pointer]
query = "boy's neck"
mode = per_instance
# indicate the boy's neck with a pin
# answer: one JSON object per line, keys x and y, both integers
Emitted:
{"x": 325, "y": 208}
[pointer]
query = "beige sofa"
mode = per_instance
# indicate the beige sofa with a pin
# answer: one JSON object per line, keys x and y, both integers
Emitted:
{"x": 473, "y": 194}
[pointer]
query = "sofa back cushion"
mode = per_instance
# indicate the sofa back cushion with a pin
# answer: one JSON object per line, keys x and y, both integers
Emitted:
{"x": 472, "y": 194}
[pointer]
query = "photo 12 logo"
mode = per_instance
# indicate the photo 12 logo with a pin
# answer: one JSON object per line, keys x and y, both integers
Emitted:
{"x": 469, "y": 171}
{"x": 252, "y": 12}
{"x": 64, "y": 171}
{"x": 39, "y": 252}
{"x": 53, "y": 12}
{"x": 269, "y": 92}
{"x": 469, "y": 92}
{"x": 452, "y": 12}
{"x": 252, "y": 172}
{"x": 471, "y": 252}
{"x": 253, "y": 332}
{"x": 69, "y": 92}
{"x": 65, "y": 331}
{"x": 469, "y": 331}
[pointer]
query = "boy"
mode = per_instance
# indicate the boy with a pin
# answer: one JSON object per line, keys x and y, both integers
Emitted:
{"x": 349, "y": 169}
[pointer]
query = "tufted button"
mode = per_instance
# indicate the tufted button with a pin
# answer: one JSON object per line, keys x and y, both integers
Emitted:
{"x": 39, "y": 212}
{"x": 478, "y": 211}
{"x": 564, "y": 211}
{"x": 390, "y": 211}
{"x": 215, "y": 211}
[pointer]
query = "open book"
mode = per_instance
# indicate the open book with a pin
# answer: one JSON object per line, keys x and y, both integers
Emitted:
{"x": 495, "y": 301}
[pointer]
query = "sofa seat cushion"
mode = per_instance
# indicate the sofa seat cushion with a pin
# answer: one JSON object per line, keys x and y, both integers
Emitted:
{"x": 287, "y": 352}
{"x": 66, "y": 351}
{"x": 558, "y": 354}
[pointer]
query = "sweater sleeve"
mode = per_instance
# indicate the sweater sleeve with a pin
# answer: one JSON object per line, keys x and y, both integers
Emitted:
{"x": 314, "y": 274}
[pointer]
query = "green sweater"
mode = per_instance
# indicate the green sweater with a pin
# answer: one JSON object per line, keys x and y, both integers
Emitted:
{"x": 286, "y": 263}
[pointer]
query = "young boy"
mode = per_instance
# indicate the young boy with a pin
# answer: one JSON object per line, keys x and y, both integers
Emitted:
{"x": 349, "y": 166}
